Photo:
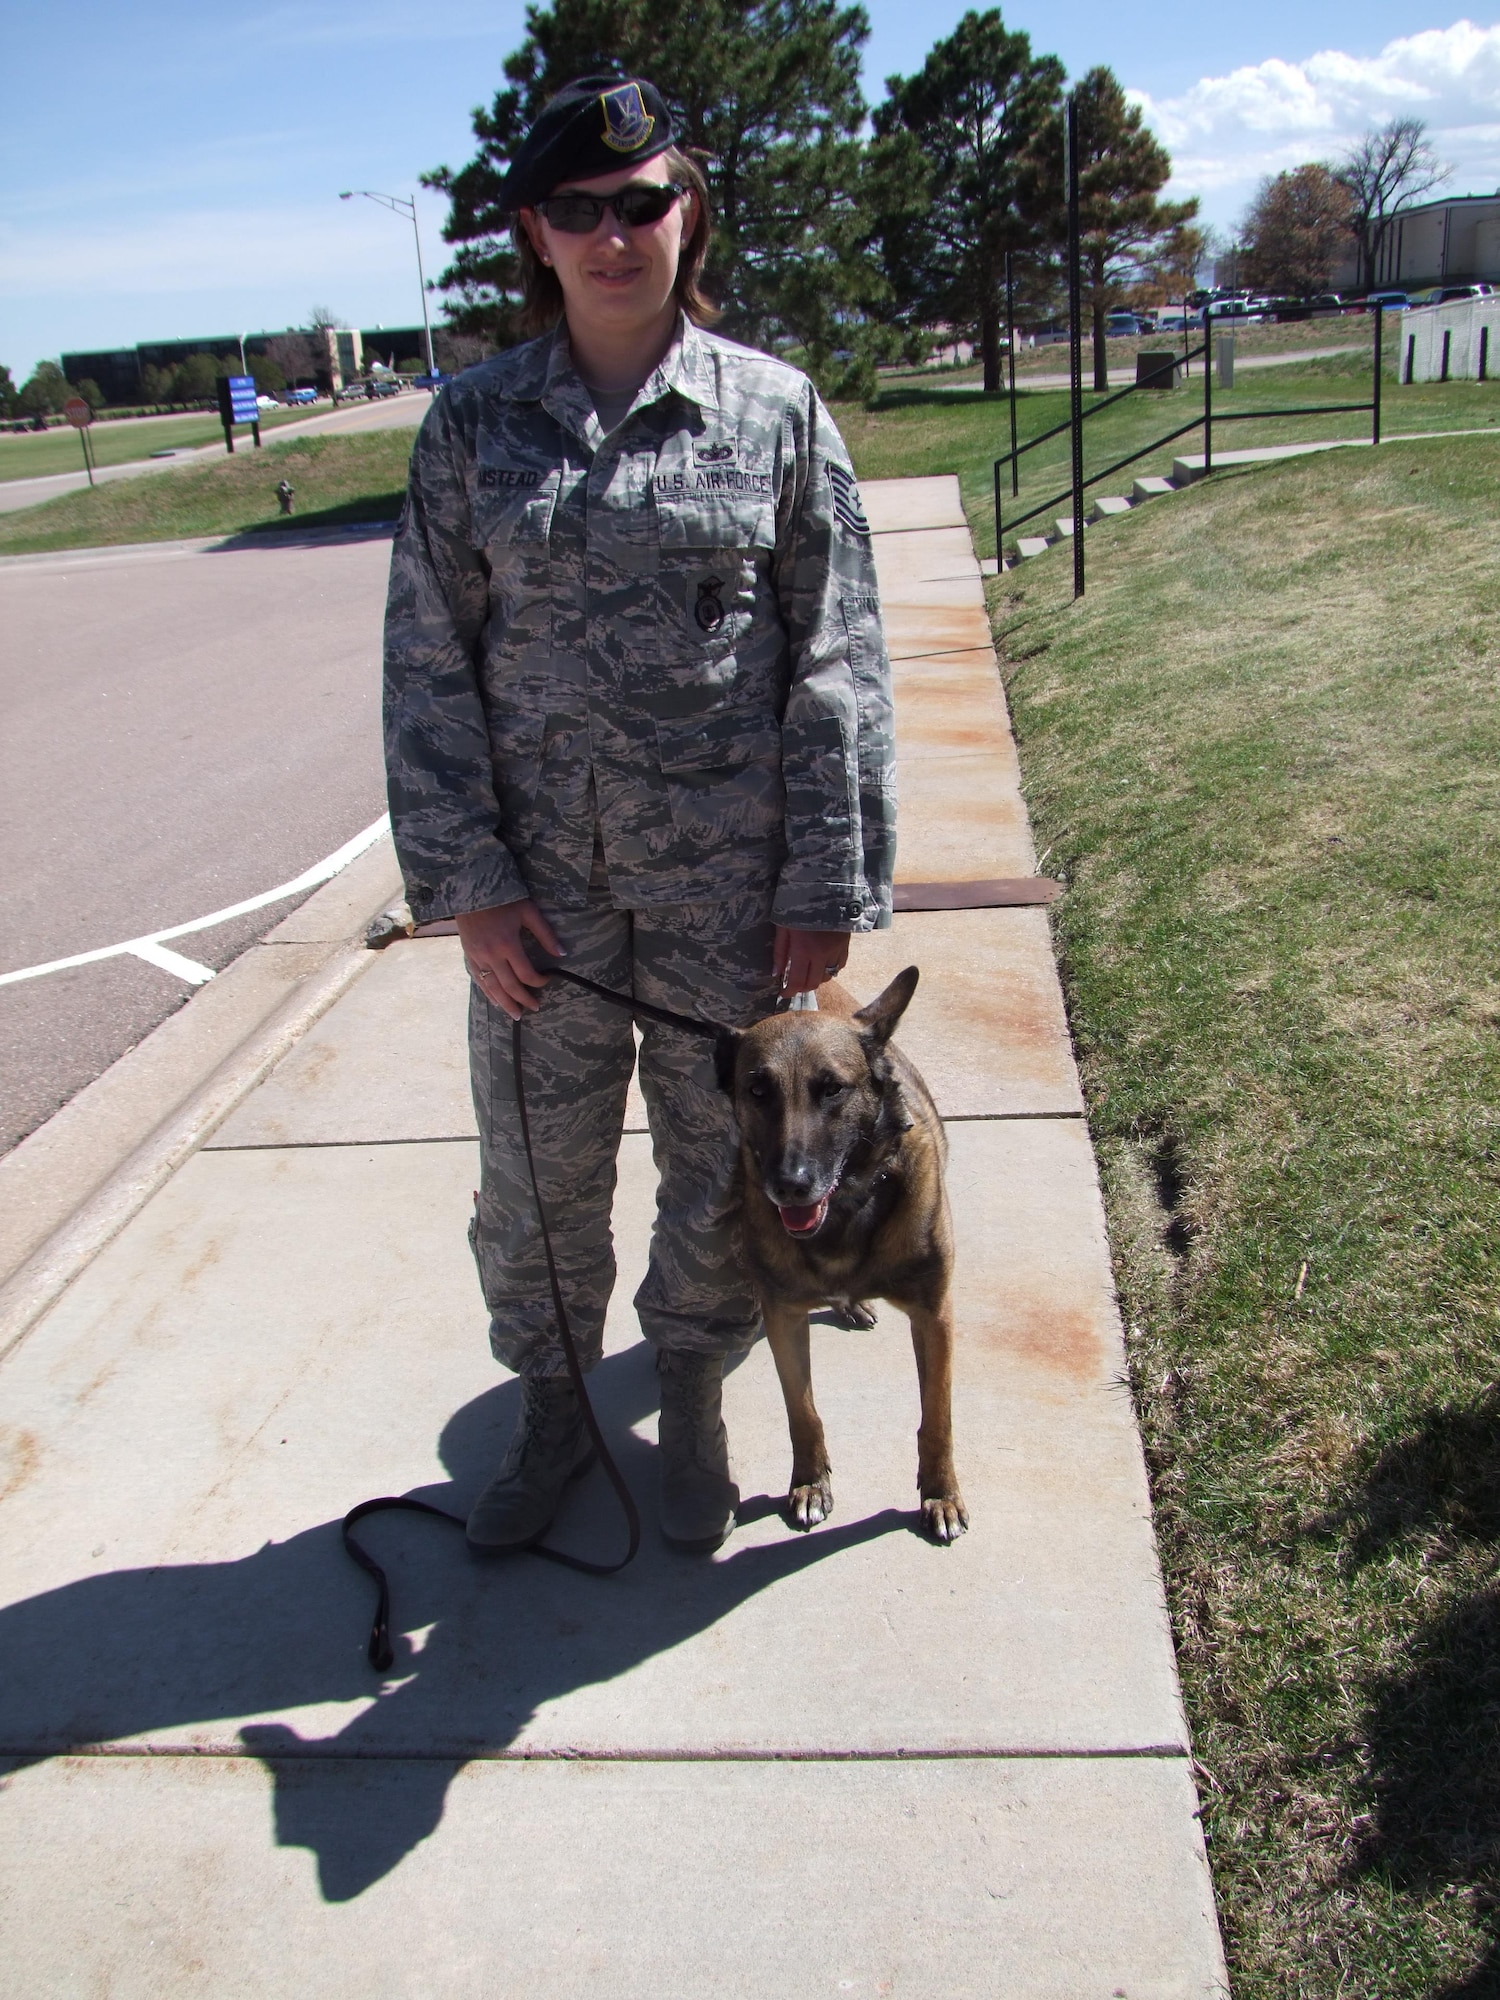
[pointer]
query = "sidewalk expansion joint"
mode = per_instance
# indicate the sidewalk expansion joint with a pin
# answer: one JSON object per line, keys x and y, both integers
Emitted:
{"x": 310, "y": 1753}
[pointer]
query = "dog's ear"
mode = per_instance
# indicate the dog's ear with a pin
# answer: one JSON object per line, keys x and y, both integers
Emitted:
{"x": 877, "y": 1022}
{"x": 726, "y": 1054}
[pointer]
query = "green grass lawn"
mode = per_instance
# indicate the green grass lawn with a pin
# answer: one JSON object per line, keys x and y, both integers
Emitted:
{"x": 36, "y": 454}
{"x": 932, "y": 430}
{"x": 1052, "y": 359}
{"x": 337, "y": 480}
{"x": 1264, "y": 754}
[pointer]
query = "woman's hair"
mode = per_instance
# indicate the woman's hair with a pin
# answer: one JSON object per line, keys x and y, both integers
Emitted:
{"x": 541, "y": 294}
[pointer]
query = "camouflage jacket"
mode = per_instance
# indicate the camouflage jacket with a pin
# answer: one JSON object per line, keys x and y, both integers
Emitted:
{"x": 674, "y": 629}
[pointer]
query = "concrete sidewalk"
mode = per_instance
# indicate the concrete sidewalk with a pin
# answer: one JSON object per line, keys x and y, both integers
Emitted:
{"x": 845, "y": 1763}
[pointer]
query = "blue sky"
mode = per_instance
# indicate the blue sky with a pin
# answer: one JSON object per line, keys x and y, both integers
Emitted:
{"x": 172, "y": 172}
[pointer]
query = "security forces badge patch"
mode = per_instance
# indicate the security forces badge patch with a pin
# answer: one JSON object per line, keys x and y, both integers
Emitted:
{"x": 627, "y": 122}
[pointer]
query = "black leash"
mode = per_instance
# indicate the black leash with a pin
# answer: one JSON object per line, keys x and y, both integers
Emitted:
{"x": 379, "y": 1648}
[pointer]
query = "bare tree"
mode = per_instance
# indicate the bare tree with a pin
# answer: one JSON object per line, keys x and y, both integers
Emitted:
{"x": 1386, "y": 172}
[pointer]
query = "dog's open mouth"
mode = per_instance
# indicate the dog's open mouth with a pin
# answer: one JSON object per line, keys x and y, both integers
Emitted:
{"x": 804, "y": 1218}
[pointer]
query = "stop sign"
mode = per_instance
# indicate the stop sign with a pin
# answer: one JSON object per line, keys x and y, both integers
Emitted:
{"x": 78, "y": 413}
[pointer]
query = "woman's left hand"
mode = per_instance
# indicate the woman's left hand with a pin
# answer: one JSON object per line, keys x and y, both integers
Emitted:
{"x": 805, "y": 959}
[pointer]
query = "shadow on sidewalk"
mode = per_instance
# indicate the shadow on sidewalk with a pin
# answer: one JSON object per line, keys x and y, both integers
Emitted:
{"x": 484, "y": 1644}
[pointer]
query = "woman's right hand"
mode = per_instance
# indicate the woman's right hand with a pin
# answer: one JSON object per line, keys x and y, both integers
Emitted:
{"x": 497, "y": 959}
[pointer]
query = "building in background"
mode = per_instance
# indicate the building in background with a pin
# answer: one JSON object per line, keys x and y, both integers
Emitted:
{"x": 1452, "y": 242}
{"x": 324, "y": 359}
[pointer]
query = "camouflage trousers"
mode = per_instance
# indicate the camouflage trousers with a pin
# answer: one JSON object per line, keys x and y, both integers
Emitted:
{"x": 708, "y": 960}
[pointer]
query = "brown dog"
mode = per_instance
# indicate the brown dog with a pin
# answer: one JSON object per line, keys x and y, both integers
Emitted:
{"x": 843, "y": 1154}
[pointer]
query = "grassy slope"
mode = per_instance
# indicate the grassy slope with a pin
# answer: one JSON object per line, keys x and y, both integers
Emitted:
{"x": 38, "y": 454}
{"x": 1265, "y": 753}
{"x": 933, "y": 430}
{"x": 337, "y": 479}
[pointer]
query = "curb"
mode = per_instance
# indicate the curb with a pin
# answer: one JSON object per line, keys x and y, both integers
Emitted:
{"x": 250, "y": 1053}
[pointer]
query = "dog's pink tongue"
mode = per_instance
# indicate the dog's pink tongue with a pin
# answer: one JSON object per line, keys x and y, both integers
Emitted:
{"x": 799, "y": 1218}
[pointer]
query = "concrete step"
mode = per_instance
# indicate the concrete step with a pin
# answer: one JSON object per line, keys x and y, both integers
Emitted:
{"x": 1108, "y": 504}
{"x": 1185, "y": 471}
{"x": 1148, "y": 489}
{"x": 1064, "y": 527}
{"x": 988, "y": 566}
{"x": 1028, "y": 546}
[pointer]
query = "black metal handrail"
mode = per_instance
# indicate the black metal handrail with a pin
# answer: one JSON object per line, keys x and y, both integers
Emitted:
{"x": 1078, "y": 416}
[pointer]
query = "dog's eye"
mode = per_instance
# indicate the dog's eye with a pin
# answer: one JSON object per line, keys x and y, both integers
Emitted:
{"x": 759, "y": 1089}
{"x": 828, "y": 1088}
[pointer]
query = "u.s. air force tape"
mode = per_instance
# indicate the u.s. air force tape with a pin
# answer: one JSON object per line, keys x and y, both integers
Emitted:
{"x": 846, "y": 500}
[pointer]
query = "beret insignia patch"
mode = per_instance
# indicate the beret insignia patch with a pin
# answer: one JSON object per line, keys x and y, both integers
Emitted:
{"x": 627, "y": 123}
{"x": 846, "y": 503}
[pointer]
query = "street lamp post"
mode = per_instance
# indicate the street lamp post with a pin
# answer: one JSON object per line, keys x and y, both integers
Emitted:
{"x": 404, "y": 205}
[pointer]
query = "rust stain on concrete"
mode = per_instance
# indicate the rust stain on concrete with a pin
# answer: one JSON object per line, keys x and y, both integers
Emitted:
{"x": 20, "y": 1456}
{"x": 1063, "y": 1340}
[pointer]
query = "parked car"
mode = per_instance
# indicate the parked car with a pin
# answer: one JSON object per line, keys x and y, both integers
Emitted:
{"x": 1442, "y": 295}
{"x": 1390, "y": 301}
{"x": 351, "y": 392}
{"x": 302, "y": 395}
{"x": 1238, "y": 312}
{"x": 1122, "y": 325}
{"x": 384, "y": 385}
{"x": 268, "y": 402}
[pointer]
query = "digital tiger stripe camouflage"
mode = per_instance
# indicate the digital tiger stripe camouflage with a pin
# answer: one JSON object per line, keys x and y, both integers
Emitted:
{"x": 675, "y": 628}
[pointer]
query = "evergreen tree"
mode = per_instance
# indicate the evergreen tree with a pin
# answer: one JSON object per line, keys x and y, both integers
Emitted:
{"x": 967, "y": 168}
{"x": 768, "y": 92}
{"x": 9, "y": 394}
{"x": 1122, "y": 226}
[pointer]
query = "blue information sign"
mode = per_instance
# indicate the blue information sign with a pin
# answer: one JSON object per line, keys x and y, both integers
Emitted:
{"x": 242, "y": 403}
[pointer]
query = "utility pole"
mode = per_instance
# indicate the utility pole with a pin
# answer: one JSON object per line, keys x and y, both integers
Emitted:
{"x": 404, "y": 205}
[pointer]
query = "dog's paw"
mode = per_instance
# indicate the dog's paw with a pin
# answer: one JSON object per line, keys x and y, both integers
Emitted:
{"x": 853, "y": 1317}
{"x": 807, "y": 1505}
{"x": 944, "y": 1517}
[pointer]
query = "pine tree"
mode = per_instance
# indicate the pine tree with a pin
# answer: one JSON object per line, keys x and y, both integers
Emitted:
{"x": 967, "y": 168}
{"x": 1121, "y": 224}
{"x": 768, "y": 91}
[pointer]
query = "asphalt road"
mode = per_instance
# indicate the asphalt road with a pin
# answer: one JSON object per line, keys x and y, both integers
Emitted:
{"x": 183, "y": 730}
{"x": 391, "y": 413}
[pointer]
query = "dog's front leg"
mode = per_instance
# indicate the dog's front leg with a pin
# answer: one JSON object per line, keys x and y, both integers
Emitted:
{"x": 944, "y": 1514}
{"x": 811, "y": 1497}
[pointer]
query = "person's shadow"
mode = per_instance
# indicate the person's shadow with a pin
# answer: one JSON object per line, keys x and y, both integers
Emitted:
{"x": 480, "y": 1645}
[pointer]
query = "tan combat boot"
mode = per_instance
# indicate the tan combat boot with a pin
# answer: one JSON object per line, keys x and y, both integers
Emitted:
{"x": 550, "y": 1447}
{"x": 698, "y": 1496}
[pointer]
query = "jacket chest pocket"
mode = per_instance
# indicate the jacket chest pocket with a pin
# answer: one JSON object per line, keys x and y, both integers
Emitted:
{"x": 512, "y": 515}
{"x": 713, "y": 555}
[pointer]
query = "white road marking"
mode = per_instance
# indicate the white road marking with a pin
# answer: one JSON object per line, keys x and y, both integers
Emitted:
{"x": 173, "y": 962}
{"x": 149, "y": 946}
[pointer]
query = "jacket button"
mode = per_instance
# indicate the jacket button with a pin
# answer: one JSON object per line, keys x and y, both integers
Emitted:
{"x": 853, "y": 909}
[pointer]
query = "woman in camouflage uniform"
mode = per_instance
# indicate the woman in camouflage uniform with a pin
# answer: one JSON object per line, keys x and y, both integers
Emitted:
{"x": 637, "y": 711}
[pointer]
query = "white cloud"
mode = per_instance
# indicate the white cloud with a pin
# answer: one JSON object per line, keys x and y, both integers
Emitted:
{"x": 1228, "y": 131}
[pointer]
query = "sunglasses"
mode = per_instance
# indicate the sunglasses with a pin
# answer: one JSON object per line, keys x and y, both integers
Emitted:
{"x": 637, "y": 207}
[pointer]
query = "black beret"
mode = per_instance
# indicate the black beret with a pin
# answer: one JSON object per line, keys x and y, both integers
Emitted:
{"x": 594, "y": 125}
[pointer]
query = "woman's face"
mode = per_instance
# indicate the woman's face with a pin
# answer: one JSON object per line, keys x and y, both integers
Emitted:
{"x": 615, "y": 280}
